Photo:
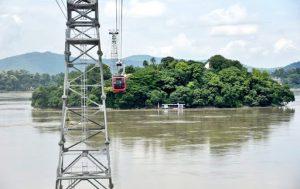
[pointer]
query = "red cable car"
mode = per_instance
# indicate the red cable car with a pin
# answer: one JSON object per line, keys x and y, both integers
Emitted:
{"x": 119, "y": 84}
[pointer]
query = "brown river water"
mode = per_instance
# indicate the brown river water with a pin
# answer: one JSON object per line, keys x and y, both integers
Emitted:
{"x": 247, "y": 148}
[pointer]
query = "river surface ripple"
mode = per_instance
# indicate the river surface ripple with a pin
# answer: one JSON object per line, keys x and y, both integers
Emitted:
{"x": 247, "y": 148}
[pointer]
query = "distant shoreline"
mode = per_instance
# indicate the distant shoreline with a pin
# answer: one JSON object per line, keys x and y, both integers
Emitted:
{"x": 295, "y": 89}
{"x": 145, "y": 109}
{"x": 171, "y": 110}
{"x": 16, "y": 91}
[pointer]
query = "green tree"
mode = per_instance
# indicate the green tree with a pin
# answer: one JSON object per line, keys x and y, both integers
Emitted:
{"x": 130, "y": 69}
{"x": 153, "y": 61}
{"x": 218, "y": 63}
{"x": 181, "y": 95}
{"x": 145, "y": 63}
{"x": 167, "y": 62}
{"x": 40, "y": 98}
{"x": 156, "y": 97}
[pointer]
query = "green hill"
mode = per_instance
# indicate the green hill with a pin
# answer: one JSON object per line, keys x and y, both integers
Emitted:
{"x": 47, "y": 62}
{"x": 294, "y": 65}
{"x": 52, "y": 63}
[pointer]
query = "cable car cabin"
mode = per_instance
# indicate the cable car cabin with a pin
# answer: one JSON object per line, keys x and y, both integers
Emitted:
{"x": 119, "y": 84}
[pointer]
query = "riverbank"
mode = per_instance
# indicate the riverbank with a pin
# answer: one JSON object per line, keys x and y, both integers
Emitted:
{"x": 21, "y": 95}
{"x": 184, "y": 109}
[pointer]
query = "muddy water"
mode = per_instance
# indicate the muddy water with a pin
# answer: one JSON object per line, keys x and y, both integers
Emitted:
{"x": 208, "y": 148}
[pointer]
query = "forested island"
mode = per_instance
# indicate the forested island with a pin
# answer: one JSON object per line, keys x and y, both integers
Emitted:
{"x": 226, "y": 84}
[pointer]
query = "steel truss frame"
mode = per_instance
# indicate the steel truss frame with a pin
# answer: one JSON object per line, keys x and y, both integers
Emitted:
{"x": 84, "y": 158}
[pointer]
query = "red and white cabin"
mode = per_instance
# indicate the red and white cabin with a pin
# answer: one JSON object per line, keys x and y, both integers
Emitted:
{"x": 119, "y": 84}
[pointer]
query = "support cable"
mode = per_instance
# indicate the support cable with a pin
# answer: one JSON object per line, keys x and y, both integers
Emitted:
{"x": 121, "y": 40}
{"x": 121, "y": 35}
{"x": 62, "y": 1}
{"x": 61, "y": 9}
{"x": 116, "y": 15}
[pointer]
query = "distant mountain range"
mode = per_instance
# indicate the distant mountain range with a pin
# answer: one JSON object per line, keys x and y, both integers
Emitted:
{"x": 53, "y": 63}
{"x": 34, "y": 62}
{"x": 293, "y": 65}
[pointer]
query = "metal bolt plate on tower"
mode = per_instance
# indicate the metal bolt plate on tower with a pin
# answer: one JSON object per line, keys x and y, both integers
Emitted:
{"x": 84, "y": 158}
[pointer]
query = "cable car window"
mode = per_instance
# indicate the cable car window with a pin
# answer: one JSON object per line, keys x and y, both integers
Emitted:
{"x": 119, "y": 84}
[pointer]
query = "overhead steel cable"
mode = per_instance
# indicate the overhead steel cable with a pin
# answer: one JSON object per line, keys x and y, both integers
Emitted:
{"x": 116, "y": 15}
{"x": 121, "y": 29}
{"x": 62, "y": 1}
{"x": 61, "y": 9}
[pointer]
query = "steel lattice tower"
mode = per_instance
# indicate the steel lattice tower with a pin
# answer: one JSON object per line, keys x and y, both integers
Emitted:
{"x": 84, "y": 159}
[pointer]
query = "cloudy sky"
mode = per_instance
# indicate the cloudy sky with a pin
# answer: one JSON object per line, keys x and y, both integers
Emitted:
{"x": 260, "y": 33}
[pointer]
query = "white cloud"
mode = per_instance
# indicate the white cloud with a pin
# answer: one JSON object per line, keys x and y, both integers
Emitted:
{"x": 241, "y": 49}
{"x": 166, "y": 50}
{"x": 233, "y": 47}
{"x": 17, "y": 19}
{"x": 12, "y": 17}
{"x": 232, "y": 15}
{"x": 145, "y": 9}
{"x": 230, "y": 22}
{"x": 259, "y": 51}
{"x": 171, "y": 22}
{"x": 136, "y": 8}
{"x": 110, "y": 8}
{"x": 10, "y": 28}
{"x": 181, "y": 46}
{"x": 179, "y": 43}
{"x": 23, "y": 28}
{"x": 182, "y": 40}
{"x": 234, "y": 30}
{"x": 284, "y": 44}
{"x": 160, "y": 51}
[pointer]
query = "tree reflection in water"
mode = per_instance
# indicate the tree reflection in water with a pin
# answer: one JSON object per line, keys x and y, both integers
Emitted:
{"x": 223, "y": 131}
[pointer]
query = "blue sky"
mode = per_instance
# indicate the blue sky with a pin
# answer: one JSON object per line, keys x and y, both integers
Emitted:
{"x": 258, "y": 33}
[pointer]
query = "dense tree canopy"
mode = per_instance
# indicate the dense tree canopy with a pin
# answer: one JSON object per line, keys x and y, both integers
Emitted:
{"x": 218, "y": 63}
{"x": 290, "y": 77}
{"x": 22, "y": 80}
{"x": 226, "y": 84}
